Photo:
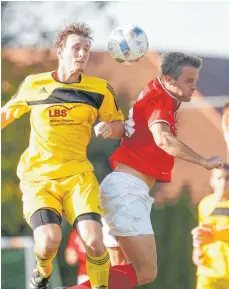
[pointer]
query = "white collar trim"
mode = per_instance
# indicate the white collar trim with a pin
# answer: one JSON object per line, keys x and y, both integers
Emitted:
{"x": 166, "y": 89}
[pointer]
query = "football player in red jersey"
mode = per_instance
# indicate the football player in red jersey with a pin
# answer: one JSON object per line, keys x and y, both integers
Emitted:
{"x": 146, "y": 155}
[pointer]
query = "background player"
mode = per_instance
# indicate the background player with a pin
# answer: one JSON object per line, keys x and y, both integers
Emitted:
{"x": 211, "y": 237}
{"x": 225, "y": 126}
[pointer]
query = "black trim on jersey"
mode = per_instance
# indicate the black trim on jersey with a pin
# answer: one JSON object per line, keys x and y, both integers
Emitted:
{"x": 113, "y": 93}
{"x": 220, "y": 212}
{"x": 70, "y": 95}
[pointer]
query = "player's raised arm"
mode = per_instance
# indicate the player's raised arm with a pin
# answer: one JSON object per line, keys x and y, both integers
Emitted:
{"x": 169, "y": 143}
{"x": 17, "y": 106}
{"x": 6, "y": 116}
{"x": 111, "y": 125}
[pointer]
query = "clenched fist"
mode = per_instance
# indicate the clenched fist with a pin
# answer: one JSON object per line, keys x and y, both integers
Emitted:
{"x": 103, "y": 129}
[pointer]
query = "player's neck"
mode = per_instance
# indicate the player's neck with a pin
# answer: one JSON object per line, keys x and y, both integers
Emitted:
{"x": 223, "y": 197}
{"x": 67, "y": 76}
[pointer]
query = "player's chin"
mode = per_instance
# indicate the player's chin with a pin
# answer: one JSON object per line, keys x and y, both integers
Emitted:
{"x": 187, "y": 98}
{"x": 79, "y": 68}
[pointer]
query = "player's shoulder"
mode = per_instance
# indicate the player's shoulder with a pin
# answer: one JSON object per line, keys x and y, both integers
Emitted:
{"x": 209, "y": 199}
{"x": 94, "y": 80}
{"x": 98, "y": 83}
{"x": 37, "y": 77}
{"x": 152, "y": 94}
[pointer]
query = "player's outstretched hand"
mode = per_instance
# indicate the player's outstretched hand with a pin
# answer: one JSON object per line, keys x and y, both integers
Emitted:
{"x": 103, "y": 129}
{"x": 214, "y": 162}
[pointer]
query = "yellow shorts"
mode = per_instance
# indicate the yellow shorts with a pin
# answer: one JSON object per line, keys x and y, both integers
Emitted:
{"x": 69, "y": 196}
{"x": 211, "y": 283}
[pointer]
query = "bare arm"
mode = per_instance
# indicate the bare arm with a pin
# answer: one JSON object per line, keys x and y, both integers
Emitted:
{"x": 114, "y": 129}
{"x": 197, "y": 256}
{"x": 6, "y": 117}
{"x": 117, "y": 128}
{"x": 174, "y": 147}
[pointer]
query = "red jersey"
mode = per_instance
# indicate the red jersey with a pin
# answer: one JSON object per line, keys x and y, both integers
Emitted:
{"x": 75, "y": 243}
{"x": 138, "y": 148}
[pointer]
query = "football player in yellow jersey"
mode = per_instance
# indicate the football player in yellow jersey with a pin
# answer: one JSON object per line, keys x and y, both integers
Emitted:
{"x": 211, "y": 237}
{"x": 56, "y": 177}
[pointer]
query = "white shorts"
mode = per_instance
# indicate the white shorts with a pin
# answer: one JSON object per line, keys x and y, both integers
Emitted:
{"x": 126, "y": 206}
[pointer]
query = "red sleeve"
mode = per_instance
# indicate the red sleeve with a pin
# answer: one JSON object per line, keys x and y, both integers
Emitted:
{"x": 161, "y": 111}
{"x": 160, "y": 115}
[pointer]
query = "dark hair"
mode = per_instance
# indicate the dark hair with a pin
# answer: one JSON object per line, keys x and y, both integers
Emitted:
{"x": 80, "y": 29}
{"x": 173, "y": 62}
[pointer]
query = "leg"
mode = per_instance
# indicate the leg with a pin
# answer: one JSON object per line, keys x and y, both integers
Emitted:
{"x": 81, "y": 208}
{"x": 126, "y": 208}
{"x": 42, "y": 211}
{"x": 141, "y": 252}
{"x": 47, "y": 238}
{"x": 117, "y": 256}
{"x": 98, "y": 261}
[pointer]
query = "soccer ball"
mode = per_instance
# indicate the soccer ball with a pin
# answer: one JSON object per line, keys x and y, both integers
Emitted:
{"x": 127, "y": 43}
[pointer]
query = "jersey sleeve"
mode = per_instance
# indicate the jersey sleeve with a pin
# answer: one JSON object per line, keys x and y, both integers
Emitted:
{"x": 17, "y": 106}
{"x": 200, "y": 215}
{"x": 160, "y": 113}
{"x": 109, "y": 110}
{"x": 222, "y": 234}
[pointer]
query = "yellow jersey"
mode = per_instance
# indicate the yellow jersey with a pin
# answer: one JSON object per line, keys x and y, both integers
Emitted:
{"x": 216, "y": 254}
{"x": 61, "y": 118}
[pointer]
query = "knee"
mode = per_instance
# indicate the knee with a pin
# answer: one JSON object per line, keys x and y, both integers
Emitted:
{"x": 47, "y": 239}
{"x": 91, "y": 233}
{"x": 147, "y": 275}
{"x": 94, "y": 246}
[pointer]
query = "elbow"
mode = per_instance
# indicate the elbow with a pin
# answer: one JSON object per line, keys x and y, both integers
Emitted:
{"x": 161, "y": 140}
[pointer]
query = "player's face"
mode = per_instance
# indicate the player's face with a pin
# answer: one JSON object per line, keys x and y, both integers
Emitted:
{"x": 185, "y": 85}
{"x": 75, "y": 53}
{"x": 225, "y": 119}
{"x": 220, "y": 182}
{"x": 225, "y": 125}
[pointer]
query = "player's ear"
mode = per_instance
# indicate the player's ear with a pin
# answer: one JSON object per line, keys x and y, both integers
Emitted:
{"x": 59, "y": 52}
{"x": 169, "y": 80}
